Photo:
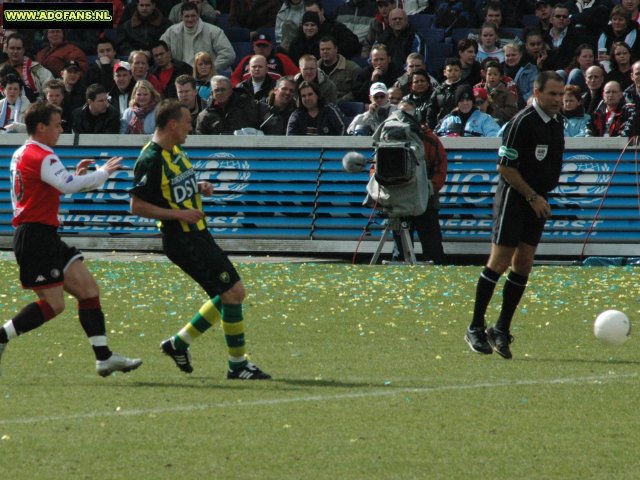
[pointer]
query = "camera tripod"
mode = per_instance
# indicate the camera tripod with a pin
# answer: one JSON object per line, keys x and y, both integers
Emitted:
{"x": 396, "y": 224}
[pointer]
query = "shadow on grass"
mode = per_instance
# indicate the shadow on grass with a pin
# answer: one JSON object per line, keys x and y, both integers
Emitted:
{"x": 223, "y": 384}
{"x": 609, "y": 361}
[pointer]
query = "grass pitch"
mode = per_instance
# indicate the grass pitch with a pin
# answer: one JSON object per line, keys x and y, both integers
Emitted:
{"x": 372, "y": 380}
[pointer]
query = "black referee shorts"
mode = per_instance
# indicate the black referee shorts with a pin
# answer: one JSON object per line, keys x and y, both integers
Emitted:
{"x": 514, "y": 220}
{"x": 200, "y": 257}
{"x": 42, "y": 255}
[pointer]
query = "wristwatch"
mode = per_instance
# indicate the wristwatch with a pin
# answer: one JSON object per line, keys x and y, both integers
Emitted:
{"x": 532, "y": 198}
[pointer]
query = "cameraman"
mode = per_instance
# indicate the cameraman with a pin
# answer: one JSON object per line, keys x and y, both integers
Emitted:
{"x": 427, "y": 225}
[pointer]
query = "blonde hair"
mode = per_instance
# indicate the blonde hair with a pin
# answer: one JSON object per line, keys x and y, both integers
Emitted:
{"x": 206, "y": 56}
{"x": 155, "y": 96}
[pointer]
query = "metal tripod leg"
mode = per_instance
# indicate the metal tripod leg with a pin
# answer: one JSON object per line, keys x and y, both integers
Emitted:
{"x": 396, "y": 225}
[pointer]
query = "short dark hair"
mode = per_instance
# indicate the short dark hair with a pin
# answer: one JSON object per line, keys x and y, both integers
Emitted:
{"x": 464, "y": 43}
{"x": 167, "y": 110}
{"x": 94, "y": 90}
{"x": 15, "y": 36}
{"x": 39, "y": 112}
{"x": 106, "y": 40}
{"x": 453, "y": 61}
{"x": 188, "y": 6}
{"x": 184, "y": 79}
{"x": 54, "y": 84}
{"x": 328, "y": 38}
{"x": 159, "y": 43}
{"x": 543, "y": 77}
{"x": 313, "y": 86}
{"x": 11, "y": 78}
{"x": 491, "y": 62}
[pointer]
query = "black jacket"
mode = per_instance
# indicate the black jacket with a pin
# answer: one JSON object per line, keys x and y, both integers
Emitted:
{"x": 85, "y": 122}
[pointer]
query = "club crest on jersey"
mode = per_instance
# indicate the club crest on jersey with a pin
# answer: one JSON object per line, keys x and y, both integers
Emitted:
{"x": 541, "y": 152}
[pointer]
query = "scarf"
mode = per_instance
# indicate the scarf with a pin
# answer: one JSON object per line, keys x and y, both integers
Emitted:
{"x": 136, "y": 124}
{"x": 27, "y": 78}
{"x": 15, "y": 111}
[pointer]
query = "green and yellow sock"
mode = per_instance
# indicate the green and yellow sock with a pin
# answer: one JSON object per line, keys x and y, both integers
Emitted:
{"x": 207, "y": 316}
{"x": 233, "y": 326}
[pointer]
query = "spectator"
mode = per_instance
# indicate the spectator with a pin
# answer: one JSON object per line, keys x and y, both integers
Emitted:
{"x": 254, "y": 14}
{"x": 450, "y": 14}
{"x": 101, "y": 71}
{"x": 259, "y": 84}
{"x": 58, "y": 52}
{"x": 357, "y": 16}
{"x": 503, "y": 103}
{"x": 414, "y": 63}
{"x": 278, "y": 64}
{"x": 593, "y": 96}
{"x": 401, "y": 39}
{"x": 621, "y": 29}
{"x": 395, "y": 95}
{"x": 192, "y": 35}
{"x": 563, "y": 39}
{"x": 589, "y": 17}
{"x": 205, "y": 10}
{"x": 229, "y": 110}
{"x": 488, "y": 43}
{"x": 631, "y": 6}
{"x": 288, "y": 19}
{"x": 203, "y": 72}
{"x": 347, "y": 40}
{"x": 309, "y": 72}
{"x": 167, "y": 69}
{"x": 281, "y": 104}
{"x": 442, "y": 99}
{"x": 140, "y": 117}
{"x": 314, "y": 116}
{"x": 96, "y": 116}
{"x": 140, "y": 61}
{"x": 341, "y": 71}
{"x": 13, "y": 106}
{"x": 74, "y": 88}
{"x": 420, "y": 91}
{"x": 380, "y": 23}
{"x": 613, "y": 117}
{"x": 536, "y": 51}
{"x": 621, "y": 60}
{"x": 380, "y": 69}
{"x": 492, "y": 13}
{"x": 307, "y": 41}
{"x": 543, "y": 13}
{"x": 520, "y": 70}
{"x": 466, "y": 120}
{"x": 185, "y": 86}
{"x": 364, "y": 124}
{"x": 467, "y": 51}
{"x": 502, "y": 13}
{"x": 120, "y": 94}
{"x": 576, "y": 121}
{"x": 142, "y": 29}
{"x": 33, "y": 75}
{"x": 574, "y": 73}
{"x": 632, "y": 92}
{"x": 54, "y": 94}
{"x": 481, "y": 99}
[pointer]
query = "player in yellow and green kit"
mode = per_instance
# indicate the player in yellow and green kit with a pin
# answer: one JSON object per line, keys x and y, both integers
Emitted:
{"x": 166, "y": 189}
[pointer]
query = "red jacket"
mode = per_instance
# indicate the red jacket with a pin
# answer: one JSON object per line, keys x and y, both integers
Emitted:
{"x": 54, "y": 58}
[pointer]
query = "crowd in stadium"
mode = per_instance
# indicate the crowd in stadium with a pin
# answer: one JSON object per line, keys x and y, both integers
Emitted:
{"x": 330, "y": 67}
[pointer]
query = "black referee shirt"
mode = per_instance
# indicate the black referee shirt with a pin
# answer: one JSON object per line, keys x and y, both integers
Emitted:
{"x": 533, "y": 143}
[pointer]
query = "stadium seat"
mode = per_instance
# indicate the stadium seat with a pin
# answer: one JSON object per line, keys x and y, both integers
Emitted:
{"x": 242, "y": 49}
{"x": 351, "y": 109}
{"x": 436, "y": 65}
{"x": 238, "y": 34}
{"x": 434, "y": 35}
{"x": 516, "y": 32}
{"x": 440, "y": 49}
{"x": 330, "y": 7}
{"x": 361, "y": 61}
{"x": 460, "y": 33}
{"x": 222, "y": 21}
{"x": 529, "y": 20}
{"x": 421, "y": 22}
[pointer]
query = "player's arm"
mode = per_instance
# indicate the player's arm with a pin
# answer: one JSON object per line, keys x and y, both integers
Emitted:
{"x": 537, "y": 202}
{"x": 145, "y": 209}
{"x": 53, "y": 172}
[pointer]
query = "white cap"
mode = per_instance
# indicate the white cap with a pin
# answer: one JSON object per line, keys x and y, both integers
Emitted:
{"x": 378, "y": 87}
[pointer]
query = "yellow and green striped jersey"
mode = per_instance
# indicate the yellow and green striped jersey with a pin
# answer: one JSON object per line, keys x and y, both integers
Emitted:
{"x": 168, "y": 180}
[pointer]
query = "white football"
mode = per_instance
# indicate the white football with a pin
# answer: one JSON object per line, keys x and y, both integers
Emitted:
{"x": 354, "y": 162}
{"x": 612, "y": 327}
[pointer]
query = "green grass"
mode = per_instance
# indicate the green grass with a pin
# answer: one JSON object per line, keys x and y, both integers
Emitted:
{"x": 372, "y": 380}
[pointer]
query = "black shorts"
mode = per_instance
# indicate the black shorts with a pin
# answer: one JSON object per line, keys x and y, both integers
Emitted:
{"x": 42, "y": 255}
{"x": 200, "y": 257}
{"x": 514, "y": 220}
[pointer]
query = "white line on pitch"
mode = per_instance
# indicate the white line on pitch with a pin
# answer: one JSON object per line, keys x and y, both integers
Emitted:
{"x": 387, "y": 392}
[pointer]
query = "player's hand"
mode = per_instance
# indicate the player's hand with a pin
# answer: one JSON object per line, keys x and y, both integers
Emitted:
{"x": 189, "y": 215}
{"x": 112, "y": 164}
{"x": 205, "y": 188}
{"x": 83, "y": 166}
{"x": 541, "y": 207}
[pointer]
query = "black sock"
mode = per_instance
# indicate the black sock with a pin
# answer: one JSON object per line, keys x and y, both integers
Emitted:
{"x": 484, "y": 291}
{"x": 92, "y": 321}
{"x": 29, "y": 318}
{"x": 511, "y": 295}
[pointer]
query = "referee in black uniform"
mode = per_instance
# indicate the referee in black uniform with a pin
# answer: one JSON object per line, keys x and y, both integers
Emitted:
{"x": 529, "y": 163}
